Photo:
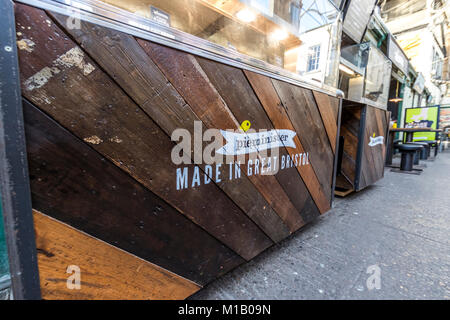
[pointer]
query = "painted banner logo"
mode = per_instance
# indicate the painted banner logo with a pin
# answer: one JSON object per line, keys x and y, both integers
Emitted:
{"x": 376, "y": 141}
{"x": 246, "y": 143}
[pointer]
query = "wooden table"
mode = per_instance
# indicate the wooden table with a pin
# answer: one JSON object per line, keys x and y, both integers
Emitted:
{"x": 409, "y": 138}
{"x": 410, "y": 132}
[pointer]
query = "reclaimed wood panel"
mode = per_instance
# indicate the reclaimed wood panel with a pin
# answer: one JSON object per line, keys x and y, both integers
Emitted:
{"x": 127, "y": 63}
{"x": 350, "y": 130}
{"x": 106, "y": 272}
{"x": 185, "y": 73}
{"x": 328, "y": 108}
{"x": 274, "y": 108}
{"x": 240, "y": 98}
{"x": 100, "y": 109}
{"x": 76, "y": 185}
{"x": 360, "y": 123}
{"x": 305, "y": 117}
{"x": 79, "y": 95}
{"x": 372, "y": 162}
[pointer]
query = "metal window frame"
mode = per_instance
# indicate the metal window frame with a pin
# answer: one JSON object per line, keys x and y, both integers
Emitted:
{"x": 314, "y": 58}
{"x": 345, "y": 9}
{"x": 14, "y": 178}
{"x": 100, "y": 13}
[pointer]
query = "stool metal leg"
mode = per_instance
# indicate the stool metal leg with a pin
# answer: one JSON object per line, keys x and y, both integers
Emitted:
{"x": 407, "y": 161}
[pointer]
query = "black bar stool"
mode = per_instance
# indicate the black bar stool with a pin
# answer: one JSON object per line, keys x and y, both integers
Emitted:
{"x": 424, "y": 153}
{"x": 408, "y": 151}
{"x": 417, "y": 153}
{"x": 430, "y": 143}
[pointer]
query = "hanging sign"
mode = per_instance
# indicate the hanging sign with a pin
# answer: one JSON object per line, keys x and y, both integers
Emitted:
{"x": 419, "y": 85}
{"x": 397, "y": 56}
{"x": 160, "y": 16}
{"x": 357, "y": 18}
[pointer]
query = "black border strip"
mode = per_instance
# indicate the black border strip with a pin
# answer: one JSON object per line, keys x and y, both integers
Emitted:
{"x": 361, "y": 136}
{"x": 14, "y": 178}
{"x": 338, "y": 152}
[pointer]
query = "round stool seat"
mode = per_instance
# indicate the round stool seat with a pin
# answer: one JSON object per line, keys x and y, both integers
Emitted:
{"x": 419, "y": 143}
{"x": 428, "y": 141}
{"x": 424, "y": 153}
{"x": 409, "y": 147}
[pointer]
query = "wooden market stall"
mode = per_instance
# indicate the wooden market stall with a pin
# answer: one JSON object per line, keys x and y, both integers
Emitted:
{"x": 364, "y": 133}
{"x": 365, "y": 121}
{"x": 103, "y": 90}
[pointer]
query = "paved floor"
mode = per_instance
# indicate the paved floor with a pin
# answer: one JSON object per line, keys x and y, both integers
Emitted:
{"x": 400, "y": 225}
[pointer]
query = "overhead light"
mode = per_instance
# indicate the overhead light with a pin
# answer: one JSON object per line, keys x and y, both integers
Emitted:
{"x": 347, "y": 70}
{"x": 246, "y": 15}
{"x": 397, "y": 99}
{"x": 279, "y": 34}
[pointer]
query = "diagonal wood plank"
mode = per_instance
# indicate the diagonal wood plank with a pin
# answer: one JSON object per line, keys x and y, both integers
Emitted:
{"x": 106, "y": 272}
{"x": 76, "y": 185}
{"x": 271, "y": 102}
{"x": 74, "y": 91}
{"x": 328, "y": 108}
{"x": 302, "y": 110}
{"x": 240, "y": 98}
{"x": 127, "y": 63}
{"x": 193, "y": 84}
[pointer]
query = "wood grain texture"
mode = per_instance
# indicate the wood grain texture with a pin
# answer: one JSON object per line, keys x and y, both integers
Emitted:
{"x": 240, "y": 98}
{"x": 357, "y": 140}
{"x": 127, "y": 63}
{"x": 106, "y": 272}
{"x": 82, "y": 98}
{"x": 185, "y": 73}
{"x": 302, "y": 110}
{"x": 328, "y": 108}
{"x": 76, "y": 185}
{"x": 274, "y": 108}
{"x": 372, "y": 162}
{"x": 350, "y": 127}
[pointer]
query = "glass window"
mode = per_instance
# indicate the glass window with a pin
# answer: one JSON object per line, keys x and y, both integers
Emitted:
{"x": 378, "y": 75}
{"x": 277, "y": 32}
{"x": 437, "y": 65}
{"x": 313, "y": 58}
{"x": 315, "y": 14}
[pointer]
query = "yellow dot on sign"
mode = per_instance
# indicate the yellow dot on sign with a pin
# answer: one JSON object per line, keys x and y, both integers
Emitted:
{"x": 245, "y": 126}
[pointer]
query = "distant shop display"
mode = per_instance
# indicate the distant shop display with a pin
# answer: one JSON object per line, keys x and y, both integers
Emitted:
{"x": 424, "y": 117}
{"x": 444, "y": 117}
